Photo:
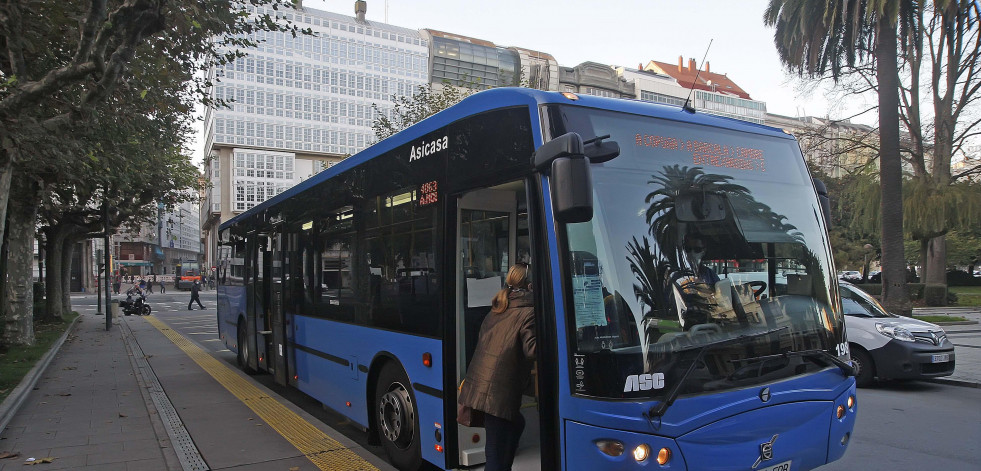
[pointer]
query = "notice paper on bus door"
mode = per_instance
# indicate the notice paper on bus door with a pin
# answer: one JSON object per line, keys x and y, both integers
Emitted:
{"x": 587, "y": 292}
{"x": 480, "y": 292}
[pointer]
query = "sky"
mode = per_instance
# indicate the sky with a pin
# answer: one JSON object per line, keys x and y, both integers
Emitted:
{"x": 624, "y": 33}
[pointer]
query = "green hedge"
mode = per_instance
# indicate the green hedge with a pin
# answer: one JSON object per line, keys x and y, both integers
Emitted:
{"x": 875, "y": 289}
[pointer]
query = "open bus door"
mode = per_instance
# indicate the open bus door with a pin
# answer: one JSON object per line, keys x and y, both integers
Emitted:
{"x": 492, "y": 235}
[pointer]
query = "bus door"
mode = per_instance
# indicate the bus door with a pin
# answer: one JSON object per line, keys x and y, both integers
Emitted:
{"x": 261, "y": 268}
{"x": 492, "y": 234}
{"x": 275, "y": 320}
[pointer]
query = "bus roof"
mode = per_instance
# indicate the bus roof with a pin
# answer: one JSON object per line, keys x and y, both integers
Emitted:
{"x": 497, "y": 98}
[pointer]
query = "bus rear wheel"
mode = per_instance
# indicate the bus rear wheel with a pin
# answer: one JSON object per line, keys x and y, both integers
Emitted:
{"x": 243, "y": 349}
{"x": 398, "y": 421}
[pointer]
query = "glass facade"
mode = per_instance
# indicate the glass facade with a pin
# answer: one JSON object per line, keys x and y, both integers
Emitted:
{"x": 314, "y": 93}
{"x": 661, "y": 98}
{"x": 464, "y": 64}
{"x": 259, "y": 175}
{"x": 730, "y": 106}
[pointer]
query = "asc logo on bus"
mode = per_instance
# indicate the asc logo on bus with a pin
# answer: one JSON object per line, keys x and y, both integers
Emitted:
{"x": 430, "y": 148}
{"x": 644, "y": 382}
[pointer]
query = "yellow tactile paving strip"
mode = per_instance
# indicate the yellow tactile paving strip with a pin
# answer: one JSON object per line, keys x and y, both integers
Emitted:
{"x": 323, "y": 451}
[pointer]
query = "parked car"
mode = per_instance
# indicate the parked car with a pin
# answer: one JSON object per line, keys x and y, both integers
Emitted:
{"x": 886, "y": 346}
{"x": 850, "y": 275}
{"x": 875, "y": 276}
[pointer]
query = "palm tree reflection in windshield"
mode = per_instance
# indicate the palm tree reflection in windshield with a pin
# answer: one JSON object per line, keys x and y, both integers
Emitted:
{"x": 679, "y": 296}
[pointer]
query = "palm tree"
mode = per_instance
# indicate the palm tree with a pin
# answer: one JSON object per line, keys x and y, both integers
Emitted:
{"x": 815, "y": 37}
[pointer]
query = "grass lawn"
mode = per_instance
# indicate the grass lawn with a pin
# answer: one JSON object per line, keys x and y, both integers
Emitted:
{"x": 967, "y": 295}
{"x": 936, "y": 319}
{"x": 17, "y": 361}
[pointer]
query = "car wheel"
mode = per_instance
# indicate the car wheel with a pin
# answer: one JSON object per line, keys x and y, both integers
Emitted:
{"x": 864, "y": 367}
{"x": 243, "y": 349}
{"x": 398, "y": 420}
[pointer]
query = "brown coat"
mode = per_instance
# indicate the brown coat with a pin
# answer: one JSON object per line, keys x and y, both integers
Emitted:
{"x": 500, "y": 367}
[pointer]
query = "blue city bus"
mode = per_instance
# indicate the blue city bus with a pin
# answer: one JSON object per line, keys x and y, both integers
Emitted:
{"x": 687, "y": 307}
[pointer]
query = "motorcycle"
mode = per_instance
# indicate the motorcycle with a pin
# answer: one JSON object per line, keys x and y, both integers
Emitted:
{"x": 136, "y": 306}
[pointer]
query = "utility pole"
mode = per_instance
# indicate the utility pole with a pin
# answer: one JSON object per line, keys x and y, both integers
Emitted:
{"x": 98, "y": 273}
{"x": 105, "y": 219}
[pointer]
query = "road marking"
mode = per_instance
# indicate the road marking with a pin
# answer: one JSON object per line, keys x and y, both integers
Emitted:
{"x": 323, "y": 451}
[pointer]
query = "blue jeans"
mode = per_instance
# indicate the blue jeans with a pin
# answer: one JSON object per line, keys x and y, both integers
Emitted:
{"x": 502, "y": 441}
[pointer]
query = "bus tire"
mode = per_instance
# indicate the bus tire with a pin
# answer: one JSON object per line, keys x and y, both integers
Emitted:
{"x": 397, "y": 418}
{"x": 243, "y": 349}
{"x": 864, "y": 367}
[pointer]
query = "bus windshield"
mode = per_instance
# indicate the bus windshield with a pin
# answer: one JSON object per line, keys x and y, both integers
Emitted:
{"x": 699, "y": 235}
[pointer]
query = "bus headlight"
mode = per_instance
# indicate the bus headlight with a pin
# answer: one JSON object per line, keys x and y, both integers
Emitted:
{"x": 642, "y": 452}
{"x": 610, "y": 447}
{"x": 663, "y": 456}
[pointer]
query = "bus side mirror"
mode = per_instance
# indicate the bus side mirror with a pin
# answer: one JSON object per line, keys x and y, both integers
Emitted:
{"x": 571, "y": 183}
{"x": 572, "y": 190}
{"x": 824, "y": 199}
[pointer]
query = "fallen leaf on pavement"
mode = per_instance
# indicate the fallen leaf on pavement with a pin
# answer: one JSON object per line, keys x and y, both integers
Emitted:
{"x": 8, "y": 454}
{"x": 34, "y": 461}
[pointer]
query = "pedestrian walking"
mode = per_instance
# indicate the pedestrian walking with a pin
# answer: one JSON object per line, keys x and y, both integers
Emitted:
{"x": 195, "y": 288}
{"x": 142, "y": 284}
{"x": 501, "y": 367}
{"x": 149, "y": 285}
{"x": 163, "y": 287}
{"x": 115, "y": 285}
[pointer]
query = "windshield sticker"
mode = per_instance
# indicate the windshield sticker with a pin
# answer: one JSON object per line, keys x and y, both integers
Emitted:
{"x": 708, "y": 153}
{"x": 580, "y": 380}
{"x": 587, "y": 293}
{"x": 644, "y": 382}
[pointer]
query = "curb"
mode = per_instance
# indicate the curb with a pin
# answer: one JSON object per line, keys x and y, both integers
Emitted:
{"x": 12, "y": 404}
{"x": 957, "y": 323}
{"x": 955, "y": 382}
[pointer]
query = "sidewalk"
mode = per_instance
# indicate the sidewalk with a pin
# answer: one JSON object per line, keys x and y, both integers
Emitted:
{"x": 88, "y": 410}
{"x": 133, "y": 399}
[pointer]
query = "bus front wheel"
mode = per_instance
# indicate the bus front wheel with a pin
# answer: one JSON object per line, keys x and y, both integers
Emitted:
{"x": 398, "y": 421}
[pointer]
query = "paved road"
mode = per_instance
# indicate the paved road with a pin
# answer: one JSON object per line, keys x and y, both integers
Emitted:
{"x": 915, "y": 426}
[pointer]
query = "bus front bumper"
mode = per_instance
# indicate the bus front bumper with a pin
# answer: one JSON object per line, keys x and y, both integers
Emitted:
{"x": 784, "y": 437}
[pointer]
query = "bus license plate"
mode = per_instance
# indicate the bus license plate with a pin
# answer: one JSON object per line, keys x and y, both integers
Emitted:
{"x": 941, "y": 358}
{"x": 785, "y": 466}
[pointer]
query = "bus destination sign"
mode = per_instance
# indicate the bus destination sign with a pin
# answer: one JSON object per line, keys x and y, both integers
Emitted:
{"x": 708, "y": 153}
{"x": 428, "y": 194}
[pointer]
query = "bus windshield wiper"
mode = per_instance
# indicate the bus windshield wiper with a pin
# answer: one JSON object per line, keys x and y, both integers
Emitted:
{"x": 662, "y": 407}
{"x": 847, "y": 369}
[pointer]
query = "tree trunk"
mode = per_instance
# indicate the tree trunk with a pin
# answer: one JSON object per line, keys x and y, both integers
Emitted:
{"x": 19, "y": 302}
{"x": 894, "y": 293}
{"x": 924, "y": 248}
{"x": 67, "y": 250}
{"x": 6, "y": 169}
{"x": 936, "y": 268}
{"x": 55, "y": 236}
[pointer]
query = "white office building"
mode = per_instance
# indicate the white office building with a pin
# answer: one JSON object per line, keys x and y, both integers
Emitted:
{"x": 298, "y": 105}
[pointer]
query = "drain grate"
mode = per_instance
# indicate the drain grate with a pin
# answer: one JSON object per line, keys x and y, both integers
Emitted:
{"x": 187, "y": 451}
